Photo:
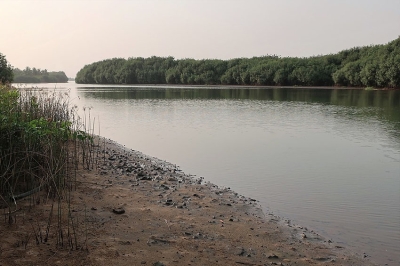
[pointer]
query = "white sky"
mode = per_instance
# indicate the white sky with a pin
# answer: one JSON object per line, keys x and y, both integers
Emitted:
{"x": 65, "y": 35}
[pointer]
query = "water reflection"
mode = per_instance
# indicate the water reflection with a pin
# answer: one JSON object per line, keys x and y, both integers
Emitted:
{"x": 360, "y": 98}
{"x": 387, "y": 102}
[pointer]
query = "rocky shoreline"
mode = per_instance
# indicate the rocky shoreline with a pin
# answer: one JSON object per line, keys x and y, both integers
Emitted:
{"x": 138, "y": 210}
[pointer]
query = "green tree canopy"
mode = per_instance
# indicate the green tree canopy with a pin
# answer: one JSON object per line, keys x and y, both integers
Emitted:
{"x": 6, "y": 70}
{"x": 377, "y": 66}
{"x": 36, "y": 75}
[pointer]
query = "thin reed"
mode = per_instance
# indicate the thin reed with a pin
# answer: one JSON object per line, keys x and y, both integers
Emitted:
{"x": 43, "y": 143}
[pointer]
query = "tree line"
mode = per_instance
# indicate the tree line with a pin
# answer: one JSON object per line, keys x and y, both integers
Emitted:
{"x": 368, "y": 66}
{"x": 9, "y": 74}
{"x": 36, "y": 75}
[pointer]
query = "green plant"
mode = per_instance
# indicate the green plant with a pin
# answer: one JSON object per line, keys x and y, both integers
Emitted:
{"x": 42, "y": 142}
{"x": 6, "y": 70}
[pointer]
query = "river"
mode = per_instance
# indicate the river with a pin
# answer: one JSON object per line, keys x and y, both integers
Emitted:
{"x": 327, "y": 159}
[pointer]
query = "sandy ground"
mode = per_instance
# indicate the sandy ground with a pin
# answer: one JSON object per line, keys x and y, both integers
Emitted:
{"x": 138, "y": 210}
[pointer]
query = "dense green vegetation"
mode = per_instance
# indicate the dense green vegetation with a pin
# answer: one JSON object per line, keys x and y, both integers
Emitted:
{"x": 6, "y": 73}
{"x": 9, "y": 74}
{"x": 369, "y": 66}
{"x": 42, "y": 145}
{"x": 33, "y": 132}
{"x": 34, "y": 75}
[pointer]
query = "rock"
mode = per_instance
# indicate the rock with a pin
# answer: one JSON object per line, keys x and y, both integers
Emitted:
{"x": 118, "y": 211}
{"x": 324, "y": 259}
{"x": 145, "y": 178}
{"x": 164, "y": 187}
{"x": 125, "y": 243}
{"x": 240, "y": 251}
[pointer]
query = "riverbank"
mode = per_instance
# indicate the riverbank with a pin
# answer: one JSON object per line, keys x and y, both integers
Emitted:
{"x": 219, "y": 86}
{"x": 138, "y": 210}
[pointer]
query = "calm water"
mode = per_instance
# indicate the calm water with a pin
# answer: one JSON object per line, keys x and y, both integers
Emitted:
{"x": 326, "y": 159}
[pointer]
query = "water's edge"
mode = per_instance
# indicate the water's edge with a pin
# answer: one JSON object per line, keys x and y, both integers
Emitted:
{"x": 289, "y": 226}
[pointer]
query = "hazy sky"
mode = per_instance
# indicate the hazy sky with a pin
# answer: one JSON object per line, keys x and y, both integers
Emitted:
{"x": 65, "y": 35}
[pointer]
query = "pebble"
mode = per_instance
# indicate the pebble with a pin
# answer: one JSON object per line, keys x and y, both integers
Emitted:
{"x": 118, "y": 211}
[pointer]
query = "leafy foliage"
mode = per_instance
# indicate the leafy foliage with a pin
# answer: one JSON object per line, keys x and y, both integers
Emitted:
{"x": 33, "y": 75}
{"x": 38, "y": 131}
{"x": 375, "y": 66}
{"x": 42, "y": 145}
{"x": 6, "y": 71}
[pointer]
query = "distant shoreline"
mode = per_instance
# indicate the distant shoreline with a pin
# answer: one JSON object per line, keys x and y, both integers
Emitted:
{"x": 244, "y": 86}
{"x": 218, "y": 86}
{"x": 365, "y": 67}
{"x": 13, "y": 83}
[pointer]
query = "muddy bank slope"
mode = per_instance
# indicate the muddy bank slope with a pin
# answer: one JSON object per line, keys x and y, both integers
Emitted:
{"x": 132, "y": 209}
